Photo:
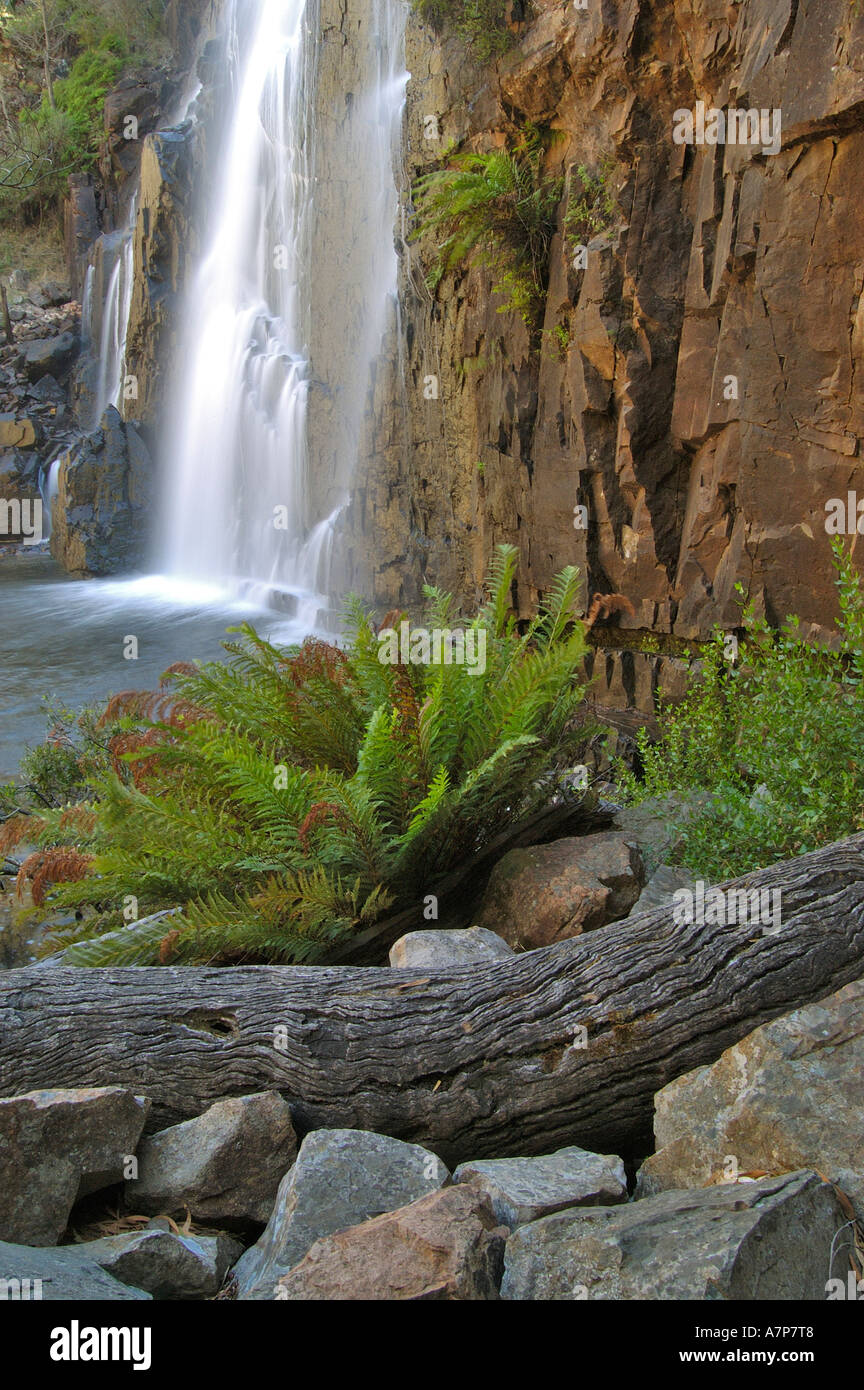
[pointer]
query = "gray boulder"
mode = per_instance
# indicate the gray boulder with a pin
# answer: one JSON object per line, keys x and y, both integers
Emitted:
{"x": 224, "y": 1166}
{"x": 341, "y": 1177}
{"x": 439, "y": 950}
{"x": 57, "y": 1146}
{"x": 165, "y": 1265}
{"x": 58, "y": 1275}
{"x": 525, "y": 1189}
{"x": 49, "y": 356}
{"x": 754, "y": 1241}
{"x": 790, "y": 1095}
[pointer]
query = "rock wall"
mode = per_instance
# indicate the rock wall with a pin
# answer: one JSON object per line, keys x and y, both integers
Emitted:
{"x": 723, "y": 262}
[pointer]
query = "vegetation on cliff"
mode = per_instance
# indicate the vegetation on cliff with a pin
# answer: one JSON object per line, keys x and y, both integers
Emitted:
{"x": 285, "y": 796}
{"x": 774, "y": 732}
{"x": 499, "y": 209}
{"x": 58, "y": 60}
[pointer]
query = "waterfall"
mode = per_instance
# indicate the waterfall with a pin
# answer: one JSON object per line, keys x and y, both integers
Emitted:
{"x": 104, "y": 320}
{"x": 285, "y": 314}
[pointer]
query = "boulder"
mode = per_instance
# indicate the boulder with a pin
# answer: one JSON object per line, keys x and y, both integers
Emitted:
{"x": 104, "y": 490}
{"x": 341, "y": 1177}
{"x": 163, "y": 1264}
{"x": 768, "y": 1240}
{"x": 790, "y": 1095}
{"x": 438, "y": 950}
{"x": 223, "y": 1166}
{"x": 525, "y": 1189}
{"x": 49, "y": 356}
{"x": 57, "y": 1146}
{"x": 543, "y": 894}
{"x": 661, "y": 888}
{"x": 62, "y": 1275}
{"x": 445, "y": 1246}
{"x": 16, "y": 433}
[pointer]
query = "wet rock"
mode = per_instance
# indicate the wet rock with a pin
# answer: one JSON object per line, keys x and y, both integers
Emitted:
{"x": 790, "y": 1095}
{"x": 438, "y": 950}
{"x": 47, "y": 391}
{"x": 341, "y": 1177}
{"x": 104, "y": 489}
{"x": 223, "y": 1166}
{"x": 50, "y": 356}
{"x": 755, "y": 1241}
{"x": 163, "y": 1264}
{"x": 58, "y": 1275}
{"x": 525, "y": 1189}
{"x": 445, "y": 1246}
{"x": 549, "y": 892}
{"x": 57, "y": 1146}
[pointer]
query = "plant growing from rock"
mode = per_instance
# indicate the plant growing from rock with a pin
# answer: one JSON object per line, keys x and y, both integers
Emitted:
{"x": 592, "y": 208}
{"x": 482, "y": 24}
{"x": 286, "y": 796}
{"x": 776, "y": 738}
{"x": 499, "y": 210}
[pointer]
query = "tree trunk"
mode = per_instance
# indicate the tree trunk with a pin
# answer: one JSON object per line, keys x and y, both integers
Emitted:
{"x": 49, "y": 83}
{"x": 484, "y": 1060}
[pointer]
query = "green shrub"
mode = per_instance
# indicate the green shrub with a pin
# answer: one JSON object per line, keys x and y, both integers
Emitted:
{"x": 776, "y": 738}
{"x": 482, "y": 24}
{"x": 81, "y": 95}
{"x": 287, "y": 795}
{"x": 498, "y": 209}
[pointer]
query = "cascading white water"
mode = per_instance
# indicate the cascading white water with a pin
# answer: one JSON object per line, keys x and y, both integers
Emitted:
{"x": 105, "y": 317}
{"x": 240, "y": 509}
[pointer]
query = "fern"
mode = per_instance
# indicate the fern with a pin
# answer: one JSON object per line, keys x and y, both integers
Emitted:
{"x": 283, "y": 797}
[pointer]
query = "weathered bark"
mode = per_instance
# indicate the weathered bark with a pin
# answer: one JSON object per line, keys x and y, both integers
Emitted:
{"x": 476, "y": 1061}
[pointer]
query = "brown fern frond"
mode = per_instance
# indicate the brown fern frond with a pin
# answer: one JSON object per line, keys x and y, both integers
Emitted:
{"x": 135, "y": 741}
{"x": 82, "y": 819}
{"x": 407, "y": 705}
{"x": 319, "y": 814}
{"x": 391, "y": 620}
{"x": 17, "y": 829}
{"x": 154, "y": 706}
{"x": 50, "y": 866}
{"x": 177, "y": 668}
{"x": 605, "y": 605}
{"x": 168, "y": 947}
{"x": 317, "y": 660}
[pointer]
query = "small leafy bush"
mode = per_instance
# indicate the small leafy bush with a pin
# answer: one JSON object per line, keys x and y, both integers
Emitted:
{"x": 499, "y": 209}
{"x": 593, "y": 209}
{"x": 481, "y": 24}
{"x": 777, "y": 739}
{"x": 286, "y": 796}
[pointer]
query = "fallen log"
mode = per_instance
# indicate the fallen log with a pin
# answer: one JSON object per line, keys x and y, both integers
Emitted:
{"x": 477, "y": 1061}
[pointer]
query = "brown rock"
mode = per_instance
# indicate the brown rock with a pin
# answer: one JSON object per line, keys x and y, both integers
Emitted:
{"x": 446, "y": 1246}
{"x": 549, "y": 892}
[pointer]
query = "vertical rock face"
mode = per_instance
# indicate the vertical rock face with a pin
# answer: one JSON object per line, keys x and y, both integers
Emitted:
{"x": 100, "y": 513}
{"x": 723, "y": 262}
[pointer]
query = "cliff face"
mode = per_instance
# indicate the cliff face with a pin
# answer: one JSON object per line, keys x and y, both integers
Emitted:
{"x": 725, "y": 262}
{"x": 694, "y": 387}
